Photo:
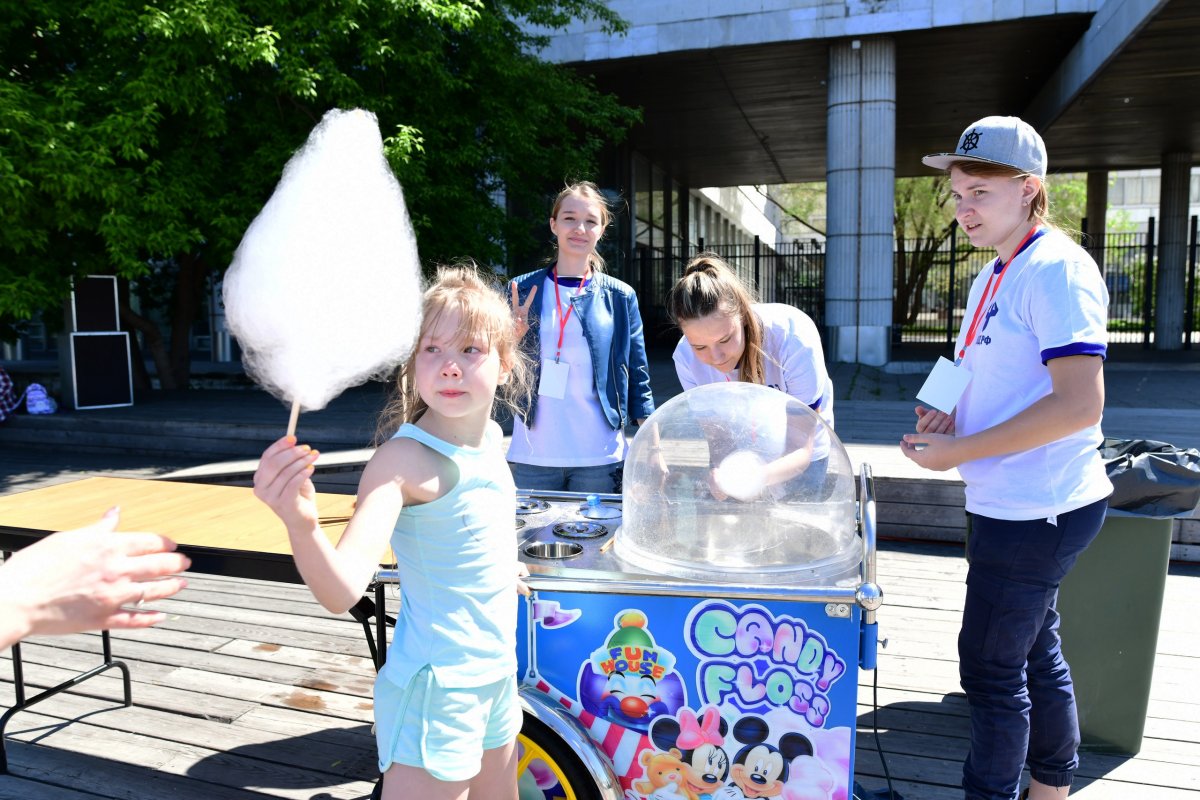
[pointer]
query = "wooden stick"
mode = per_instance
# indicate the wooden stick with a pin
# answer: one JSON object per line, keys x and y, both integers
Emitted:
{"x": 291, "y": 430}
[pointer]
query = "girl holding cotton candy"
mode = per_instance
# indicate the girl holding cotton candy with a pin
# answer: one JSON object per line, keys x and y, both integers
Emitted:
{"x": 729, "y": 337}
{"x": 583, "y": 332}
{"x": 1021, "y": 420}
{"x": 440, "y": 492}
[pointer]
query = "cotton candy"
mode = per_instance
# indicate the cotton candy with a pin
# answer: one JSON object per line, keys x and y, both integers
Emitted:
{"x": 742, "y": 475}
{"x": 324, "y": 289}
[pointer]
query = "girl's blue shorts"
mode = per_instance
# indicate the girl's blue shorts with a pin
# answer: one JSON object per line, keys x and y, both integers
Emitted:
{"x": 444, "y": 731}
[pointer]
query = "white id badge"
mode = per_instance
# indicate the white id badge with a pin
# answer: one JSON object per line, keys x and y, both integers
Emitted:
{"x": 945, "y": 385}
{"x": 554, "y": 379}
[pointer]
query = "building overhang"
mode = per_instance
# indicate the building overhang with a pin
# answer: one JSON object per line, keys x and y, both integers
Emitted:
{"x": 1113, "y": 89}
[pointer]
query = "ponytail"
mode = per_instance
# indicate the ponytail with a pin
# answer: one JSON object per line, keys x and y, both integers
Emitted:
{"x": 709, "y": 286}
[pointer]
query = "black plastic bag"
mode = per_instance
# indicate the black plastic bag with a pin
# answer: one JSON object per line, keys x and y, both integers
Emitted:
{"x": 1152, "y": 478}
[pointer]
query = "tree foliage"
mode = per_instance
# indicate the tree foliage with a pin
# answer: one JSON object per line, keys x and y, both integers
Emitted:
{"x": 1068, "y": 200}
{"x": 924, "y": 217}
{"x": 140, "y": 138}
{"x": 803, "y": 205}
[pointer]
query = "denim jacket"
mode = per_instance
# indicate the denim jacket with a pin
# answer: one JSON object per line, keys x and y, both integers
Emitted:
{"x": 607, "y": 309}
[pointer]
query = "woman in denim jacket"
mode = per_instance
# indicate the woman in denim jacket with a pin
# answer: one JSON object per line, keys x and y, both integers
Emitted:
{"x": 583, "y": 333}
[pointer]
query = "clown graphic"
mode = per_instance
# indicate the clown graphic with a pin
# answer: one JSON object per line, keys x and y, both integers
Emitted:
{"x": 630, "y": 680}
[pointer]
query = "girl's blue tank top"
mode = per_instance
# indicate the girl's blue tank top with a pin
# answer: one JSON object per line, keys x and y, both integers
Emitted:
{"x": 457, "y": 559}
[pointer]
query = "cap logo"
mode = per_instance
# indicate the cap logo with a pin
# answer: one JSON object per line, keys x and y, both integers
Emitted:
{"x": 970, "y": 141}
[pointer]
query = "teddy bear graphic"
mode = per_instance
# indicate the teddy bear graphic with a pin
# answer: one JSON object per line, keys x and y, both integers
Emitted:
{"x": 664, "y": 777}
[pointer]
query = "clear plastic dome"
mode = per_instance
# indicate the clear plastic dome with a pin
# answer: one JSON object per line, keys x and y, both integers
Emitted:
{"x": 739, "y": 482}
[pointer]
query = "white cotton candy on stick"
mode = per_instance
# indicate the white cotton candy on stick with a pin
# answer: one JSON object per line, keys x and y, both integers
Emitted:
{"x": 324, "y": 289}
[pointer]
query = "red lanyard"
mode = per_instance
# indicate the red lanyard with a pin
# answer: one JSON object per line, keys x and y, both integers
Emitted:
{"x": 563, "y": 317}
{"x": 986, "y": 299}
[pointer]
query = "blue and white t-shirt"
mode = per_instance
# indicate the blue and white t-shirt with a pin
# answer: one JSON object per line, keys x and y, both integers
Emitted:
{"x": 1052, "y": 303}
{"x": 794, "y": 362}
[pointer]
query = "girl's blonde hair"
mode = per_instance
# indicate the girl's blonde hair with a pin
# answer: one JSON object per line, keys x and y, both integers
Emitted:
{"x": 1039, "y": 208}
{"x": 483, "y": 313}
{"x": 709, "y": 286}
{"x": 591, "y": 193}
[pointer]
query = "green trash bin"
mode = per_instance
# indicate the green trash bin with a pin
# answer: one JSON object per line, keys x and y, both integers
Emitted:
{"x": 1111, "y": 604}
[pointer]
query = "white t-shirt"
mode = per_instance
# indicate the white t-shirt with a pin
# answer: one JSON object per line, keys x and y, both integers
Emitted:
{"x": 1052, "y": 303}
{"x": 572, "y": 431}
{"x": 794, "y": 362}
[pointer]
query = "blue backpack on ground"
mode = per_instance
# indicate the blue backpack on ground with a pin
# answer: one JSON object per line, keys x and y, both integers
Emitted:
{"x": 38, "y": 400}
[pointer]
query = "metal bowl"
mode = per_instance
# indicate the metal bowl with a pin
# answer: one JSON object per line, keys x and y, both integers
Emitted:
{"x": 553, "y": 550}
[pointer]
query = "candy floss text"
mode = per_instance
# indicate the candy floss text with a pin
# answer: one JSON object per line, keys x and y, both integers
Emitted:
{"x": 755, "y": 661}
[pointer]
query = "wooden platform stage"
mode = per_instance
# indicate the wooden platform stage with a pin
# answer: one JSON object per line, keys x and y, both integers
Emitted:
{"x": 251, "y": 690}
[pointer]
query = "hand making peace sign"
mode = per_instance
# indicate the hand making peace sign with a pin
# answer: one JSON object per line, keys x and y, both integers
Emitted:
{"x": 520, "y": 311}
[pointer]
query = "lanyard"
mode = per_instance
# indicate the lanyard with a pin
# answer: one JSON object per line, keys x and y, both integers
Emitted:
{"x": 563, "y": 317}
{"x": 986, "y": 300}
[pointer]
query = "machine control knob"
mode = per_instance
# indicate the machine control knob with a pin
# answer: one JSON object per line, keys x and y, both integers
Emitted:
{"x": 869, "y": 596}
{"x": 838, "y": 610}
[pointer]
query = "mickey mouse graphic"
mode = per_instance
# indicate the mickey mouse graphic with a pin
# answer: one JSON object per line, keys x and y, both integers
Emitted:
{"x": 699, "y": 743}
{"x": 760, "y": 769}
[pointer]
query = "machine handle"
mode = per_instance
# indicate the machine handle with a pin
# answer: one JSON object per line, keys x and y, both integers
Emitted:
{"x": 869, "y": 595}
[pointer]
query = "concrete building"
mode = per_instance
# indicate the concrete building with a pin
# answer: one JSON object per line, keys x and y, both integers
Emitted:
{"x": 1133, "y": 195}
{"x": 750, "y": 93}
{"x": 853, "y": 92}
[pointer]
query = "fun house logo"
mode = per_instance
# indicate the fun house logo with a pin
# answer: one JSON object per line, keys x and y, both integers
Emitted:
{"x": 755, "y": 661}
{"x": 633, "y": 659}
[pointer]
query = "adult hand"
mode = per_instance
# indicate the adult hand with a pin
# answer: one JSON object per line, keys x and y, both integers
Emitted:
{"x": 283, "y": 482}
{"x": 930, "y": 420}
{"x": 520, "y": 311}
{"x": 935, "y": 451}
{"x": 89, "y": 578}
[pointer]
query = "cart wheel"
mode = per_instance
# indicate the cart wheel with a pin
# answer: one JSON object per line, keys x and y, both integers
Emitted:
{"x": 547, "y": 769}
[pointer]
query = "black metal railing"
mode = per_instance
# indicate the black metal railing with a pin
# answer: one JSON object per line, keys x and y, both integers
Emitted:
{"x": 932, "y": 280}
{"x": 792, "y": 273}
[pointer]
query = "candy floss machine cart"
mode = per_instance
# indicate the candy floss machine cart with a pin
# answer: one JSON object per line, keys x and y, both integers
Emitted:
{"x": 699, "y": 635}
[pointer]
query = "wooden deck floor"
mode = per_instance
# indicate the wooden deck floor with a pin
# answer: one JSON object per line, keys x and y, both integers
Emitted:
{"x": 250, "y": 689}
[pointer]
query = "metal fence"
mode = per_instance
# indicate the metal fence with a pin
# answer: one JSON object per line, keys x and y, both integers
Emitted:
{"x": 931, "y": 286}
{"x": 792, "y": 273}
{"x": 932, "y": 281}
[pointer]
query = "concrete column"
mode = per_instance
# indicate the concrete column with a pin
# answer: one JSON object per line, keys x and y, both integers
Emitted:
{"x": 1170, "y": 282}
{"x": 1096, "y": 213}
{"x": 860, "y": 175}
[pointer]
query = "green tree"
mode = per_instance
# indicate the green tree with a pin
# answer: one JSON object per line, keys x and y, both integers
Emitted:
{"x": 140, "y": 138}
{"x": 924, "y": 219}
{"x": 803, "y": 206}
{"x": 1068, "y": 200}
